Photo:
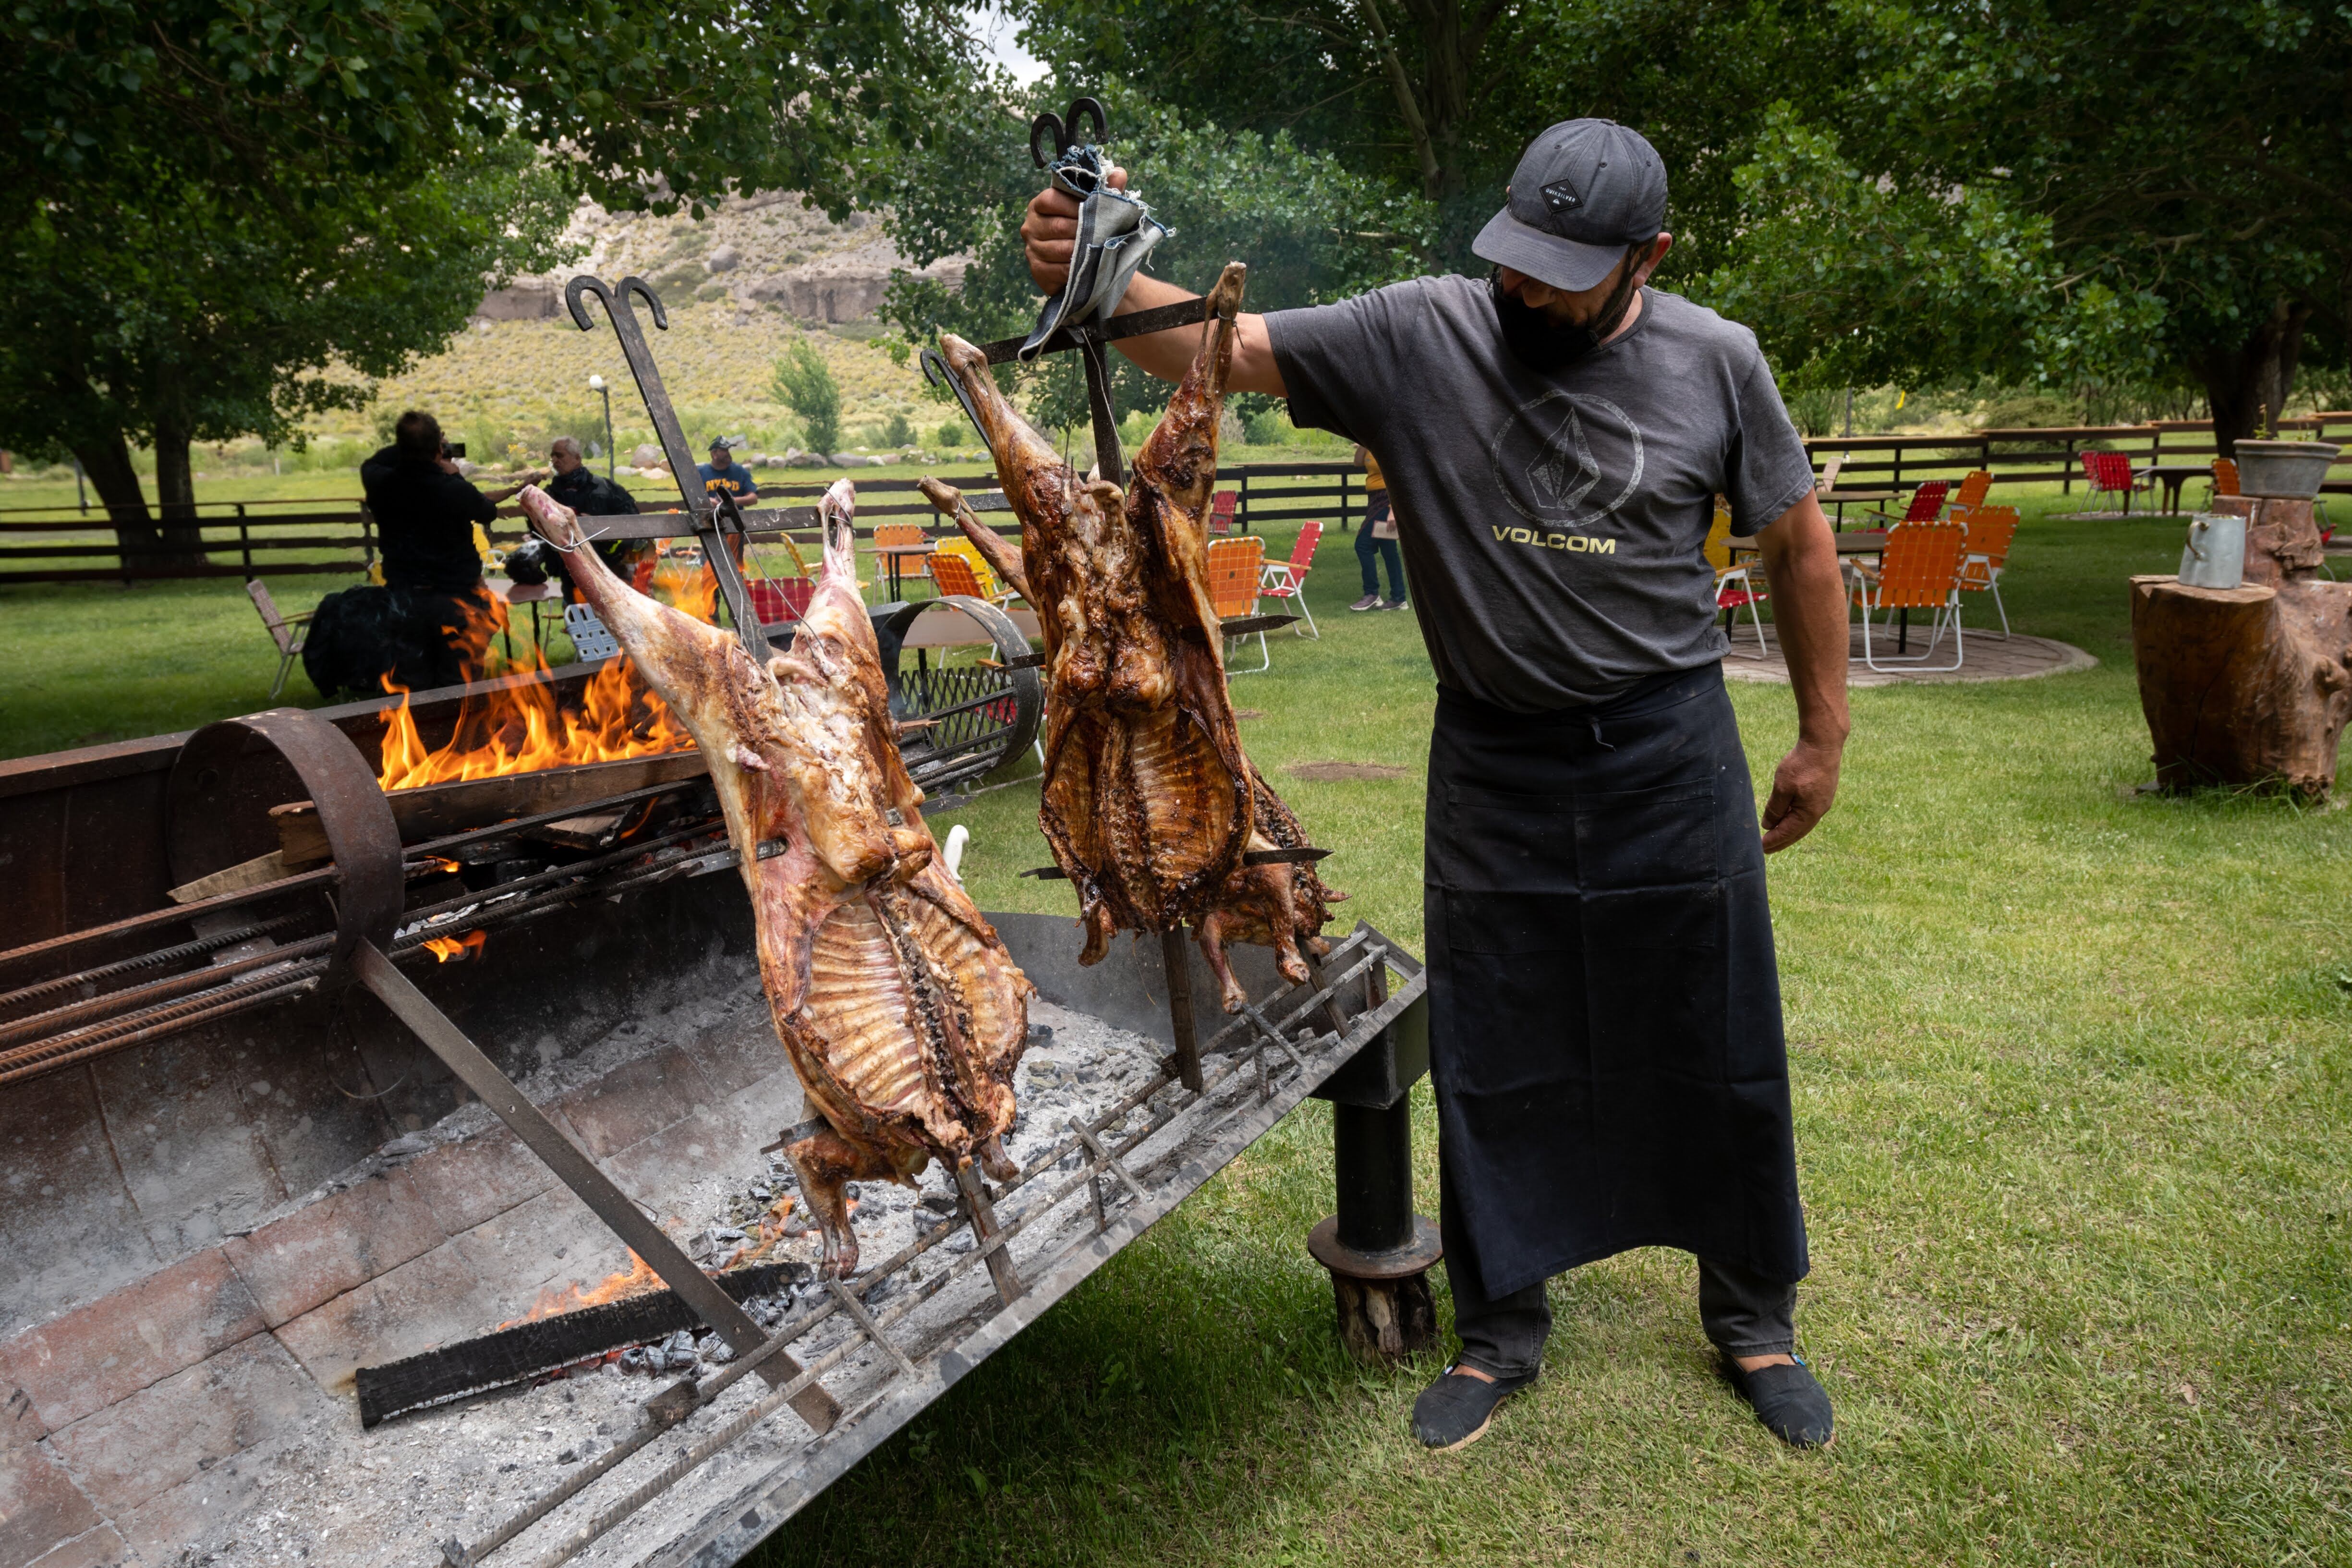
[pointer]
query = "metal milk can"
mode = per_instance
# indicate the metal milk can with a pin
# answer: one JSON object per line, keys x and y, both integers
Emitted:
{"x": 2216, "y": 553}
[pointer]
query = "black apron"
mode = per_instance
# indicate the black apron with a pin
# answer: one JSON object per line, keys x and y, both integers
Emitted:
{"x": 1604, "y": 1005}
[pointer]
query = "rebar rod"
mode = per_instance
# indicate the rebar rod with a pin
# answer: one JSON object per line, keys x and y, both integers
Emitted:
{"x": 173, "y": 954}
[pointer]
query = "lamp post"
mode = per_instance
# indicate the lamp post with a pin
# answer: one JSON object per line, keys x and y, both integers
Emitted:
{"x": 596, "y": 385}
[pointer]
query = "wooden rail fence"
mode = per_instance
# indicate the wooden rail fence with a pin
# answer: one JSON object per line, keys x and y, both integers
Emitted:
{"x": 239, "y": 539}
{"x": 246, "y": 539}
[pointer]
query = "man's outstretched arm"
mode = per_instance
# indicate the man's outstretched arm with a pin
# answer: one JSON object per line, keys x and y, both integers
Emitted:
{"x": 1808, "y": 587}
{"x": 1050, "y": 231}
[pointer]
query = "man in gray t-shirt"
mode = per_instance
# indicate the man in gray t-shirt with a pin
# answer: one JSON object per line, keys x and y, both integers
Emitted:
{"x": 1605, "y": 1029}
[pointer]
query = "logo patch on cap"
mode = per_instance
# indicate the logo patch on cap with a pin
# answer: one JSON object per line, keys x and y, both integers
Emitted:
{"x": 1561, "y": 197}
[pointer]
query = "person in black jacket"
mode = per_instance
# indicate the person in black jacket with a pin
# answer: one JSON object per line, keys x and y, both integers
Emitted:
{"x": 424, "y": 514}
{"x": 591, "y": 494}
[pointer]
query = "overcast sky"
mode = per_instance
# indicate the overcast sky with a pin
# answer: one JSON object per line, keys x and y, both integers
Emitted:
{"x": 996, "y": 31}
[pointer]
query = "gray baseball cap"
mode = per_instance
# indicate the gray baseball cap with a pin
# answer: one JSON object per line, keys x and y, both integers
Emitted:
{"x": 1584, "y": 190}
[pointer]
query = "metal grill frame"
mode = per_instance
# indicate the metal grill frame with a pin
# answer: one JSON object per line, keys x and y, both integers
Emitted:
{"x": 1126, "y": 1179}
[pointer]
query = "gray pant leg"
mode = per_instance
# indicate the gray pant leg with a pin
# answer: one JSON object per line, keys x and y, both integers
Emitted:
{"x": 1504, "y": 1336}
{"x": 1743, "y": 1312}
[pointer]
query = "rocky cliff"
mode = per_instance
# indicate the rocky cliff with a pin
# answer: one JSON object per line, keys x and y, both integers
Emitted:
{"x": 765, "y": 249}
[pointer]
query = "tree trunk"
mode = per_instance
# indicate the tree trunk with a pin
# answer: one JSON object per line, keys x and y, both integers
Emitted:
{"x": 175, "y": 492}
{"x": 2252, "y": 685}
{"x": 106, "y": 462}
{"x": 2245, "y": 385}
{"x": 1437, "y": 108}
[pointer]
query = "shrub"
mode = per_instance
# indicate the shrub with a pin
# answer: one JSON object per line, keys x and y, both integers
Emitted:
{"x": 804, "y": 383}
{"x": 898, "y": 431}
{"x": 950, "y": 433}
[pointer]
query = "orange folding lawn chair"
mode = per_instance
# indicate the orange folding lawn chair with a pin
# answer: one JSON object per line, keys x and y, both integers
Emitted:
{"x": 1734, "y": 589}
{"x": 1985, "y": 554}
{"x": 1971, "y": 493}
{"x": 1287, "y": 579}
{"x": 1234, "y": 574}
{"x": 1920, "y": 571}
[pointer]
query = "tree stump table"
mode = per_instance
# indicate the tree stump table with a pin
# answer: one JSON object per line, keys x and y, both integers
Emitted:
{"x": 2250, "y": 685}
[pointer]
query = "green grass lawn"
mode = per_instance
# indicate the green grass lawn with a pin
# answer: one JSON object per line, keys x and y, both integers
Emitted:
{"x": 2070, "y": 1067}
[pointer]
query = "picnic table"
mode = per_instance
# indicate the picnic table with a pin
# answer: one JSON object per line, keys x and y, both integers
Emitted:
{"x": 1838, "y": 497}
{"x": 531, "y": 593}
{"x": 1860, "y": 541}
{"x": 894, "y": 560}
{"x": 2172, "y": 476}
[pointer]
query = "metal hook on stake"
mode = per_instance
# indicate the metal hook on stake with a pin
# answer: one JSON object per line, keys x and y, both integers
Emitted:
{"x": 711, "y": 519}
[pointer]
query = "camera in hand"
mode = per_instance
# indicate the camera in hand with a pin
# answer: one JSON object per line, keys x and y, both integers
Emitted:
{"x": 452, "y": 450}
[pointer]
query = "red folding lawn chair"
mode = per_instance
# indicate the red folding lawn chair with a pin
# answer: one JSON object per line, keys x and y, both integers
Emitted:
{"x": 1287, "y": 579}
{"x": 1927, "y": 503}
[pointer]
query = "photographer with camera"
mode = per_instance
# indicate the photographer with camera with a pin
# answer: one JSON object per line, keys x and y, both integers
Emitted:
{"x": 424, "y": 514}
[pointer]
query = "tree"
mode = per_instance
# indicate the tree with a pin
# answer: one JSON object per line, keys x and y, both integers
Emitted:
{"x": 1434, "y": 99}
{"x": 182, "y": 314}
{"x": 213, "y": 197}
{"x": 805, "y": 384}
{"x": 650, "y": 101}
{"x": 2177, "y": 200}
{"x": 2055, "y": 191}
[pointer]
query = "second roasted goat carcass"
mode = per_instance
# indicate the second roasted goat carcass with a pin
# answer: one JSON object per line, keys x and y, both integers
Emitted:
{"x": 899, "y": 1008}
{"x": 1148, "y": 802}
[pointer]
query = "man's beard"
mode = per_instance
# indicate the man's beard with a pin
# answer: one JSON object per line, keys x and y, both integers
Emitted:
{"x": 1544, "y": 346}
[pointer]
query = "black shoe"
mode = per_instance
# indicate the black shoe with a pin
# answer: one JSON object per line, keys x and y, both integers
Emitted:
{"x": 1454, "y": 1411}
{"x": 1792, "y": 1403}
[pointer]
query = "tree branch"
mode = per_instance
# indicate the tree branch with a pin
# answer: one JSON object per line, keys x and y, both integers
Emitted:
{"x": 1424, "y": 148}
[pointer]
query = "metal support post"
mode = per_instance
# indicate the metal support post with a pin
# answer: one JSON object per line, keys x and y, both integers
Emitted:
{"x": 1378, "y": 1250}
{"x": 1372, "y": 1161}
{"x": 1176, "y": 965}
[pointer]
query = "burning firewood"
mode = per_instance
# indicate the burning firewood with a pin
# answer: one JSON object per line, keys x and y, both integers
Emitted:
{"x": 896, "y": 1001}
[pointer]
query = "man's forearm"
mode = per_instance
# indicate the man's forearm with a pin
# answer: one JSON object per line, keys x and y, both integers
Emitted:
{"x": 1166, "y": 355}
{"x": 1808, "y": 589}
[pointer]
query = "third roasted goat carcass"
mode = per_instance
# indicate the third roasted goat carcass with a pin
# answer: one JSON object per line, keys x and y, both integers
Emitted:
{"x": 1147, "y": 801}
{"x": 902, "y": 1013}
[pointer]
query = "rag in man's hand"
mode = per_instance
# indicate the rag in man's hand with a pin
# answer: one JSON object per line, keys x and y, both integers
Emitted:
{"x": 1115, "y": 233}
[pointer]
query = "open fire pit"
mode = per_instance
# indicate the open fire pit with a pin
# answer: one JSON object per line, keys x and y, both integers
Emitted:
{"x": 264, "y": 1245}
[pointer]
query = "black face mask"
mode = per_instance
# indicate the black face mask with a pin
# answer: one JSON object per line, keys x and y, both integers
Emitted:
{"x": 1544, "y": 346}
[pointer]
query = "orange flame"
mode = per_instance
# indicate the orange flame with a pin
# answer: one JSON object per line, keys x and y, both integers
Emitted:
{"x": 522, "y": 727}
{"x": 635, "y": 1281}
{"x": 688, "y": 588}
{"x": 445, "y": 948}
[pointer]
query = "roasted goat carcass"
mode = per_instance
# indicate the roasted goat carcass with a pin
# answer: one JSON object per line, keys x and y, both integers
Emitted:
{"x": 900, "y": 1009}
{"x": 1147, "y": 801}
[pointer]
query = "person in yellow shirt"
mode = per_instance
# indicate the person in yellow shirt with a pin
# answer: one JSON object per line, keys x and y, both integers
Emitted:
{"x": 1376, "y": 541}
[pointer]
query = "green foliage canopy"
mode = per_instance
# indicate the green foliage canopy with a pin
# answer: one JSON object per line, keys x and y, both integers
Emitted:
{"x": 646, "y": 101}
{"x": 1309, "y": 229}
{"x": 2056, "y": 192}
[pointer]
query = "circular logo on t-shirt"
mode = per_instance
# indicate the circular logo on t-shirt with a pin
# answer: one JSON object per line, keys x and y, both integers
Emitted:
{"x": 1565, "y": 459}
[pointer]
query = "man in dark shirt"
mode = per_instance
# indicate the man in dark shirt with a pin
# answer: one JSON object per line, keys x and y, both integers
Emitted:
{"x": 1605, "y": 1026}
{"x": 425, "y": 515}
{"x": 591, "y": 494}
{"x": 724, "y": 473}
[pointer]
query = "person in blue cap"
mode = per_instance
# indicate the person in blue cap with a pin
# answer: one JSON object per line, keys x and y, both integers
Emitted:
{"x": 1606, "y": 1026}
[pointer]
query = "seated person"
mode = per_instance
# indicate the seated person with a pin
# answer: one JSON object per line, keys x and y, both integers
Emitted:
{"x": 425, "y": 515}
{"x": 591, "y": 494}
{"x": 724, "y": 473}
